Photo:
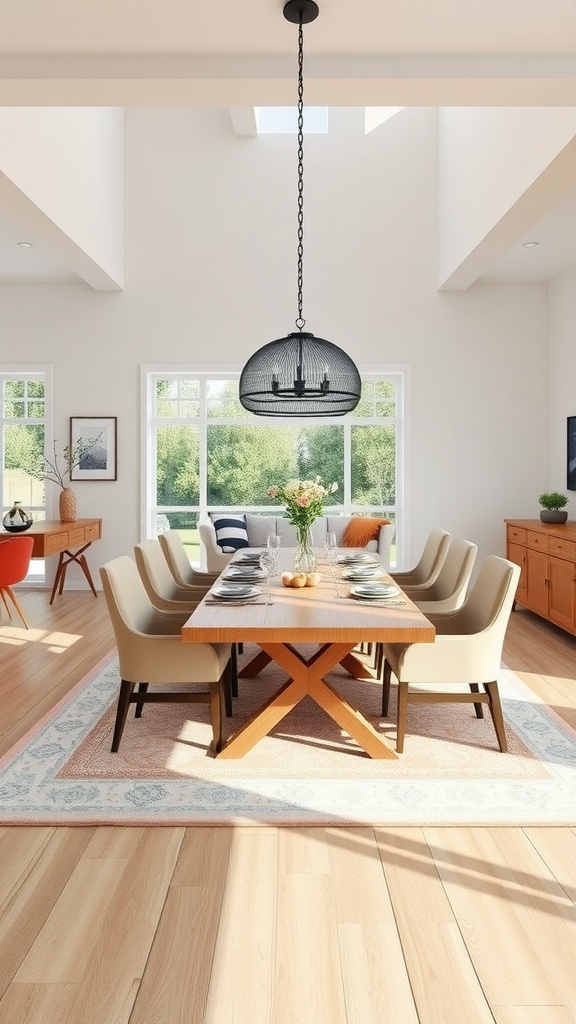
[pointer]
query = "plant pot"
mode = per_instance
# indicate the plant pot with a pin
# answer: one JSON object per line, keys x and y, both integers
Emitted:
{"x": 553, "y": 515}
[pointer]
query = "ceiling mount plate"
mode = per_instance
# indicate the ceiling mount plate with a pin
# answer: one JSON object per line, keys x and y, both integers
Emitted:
{"x": 303, "y": 11}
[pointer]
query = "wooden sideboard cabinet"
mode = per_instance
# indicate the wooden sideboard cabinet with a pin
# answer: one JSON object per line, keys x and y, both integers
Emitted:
{"x": 546, "y": 555}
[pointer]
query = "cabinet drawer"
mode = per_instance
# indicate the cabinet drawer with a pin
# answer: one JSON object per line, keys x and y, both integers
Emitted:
{"x": 56, "y": 542}
{"x": 76, "y": 537}
{"x": 92, "y": 531}
{"x": 516, "y": 534}
{"x": 562, "y": 548}
{"x": 536, "y": 540}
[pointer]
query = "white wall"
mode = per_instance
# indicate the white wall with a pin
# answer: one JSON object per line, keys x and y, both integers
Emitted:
{"x": 561, "y": 379}
{"x": 211, "y": 275}
{"x": 68, "y": 163}
{"x": 490, "y": 158}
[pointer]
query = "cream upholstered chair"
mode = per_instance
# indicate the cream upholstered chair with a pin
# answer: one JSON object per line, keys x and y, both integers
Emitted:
{"x": 183, "y": 572}
{"x": 161, "y": 587}
{"x": 151, "y": 651}
{"x": 467, "y": 650}
{"x": 448, "y": 590}
{"x": 168, "y": 596}
{"x": 431, "y": 560}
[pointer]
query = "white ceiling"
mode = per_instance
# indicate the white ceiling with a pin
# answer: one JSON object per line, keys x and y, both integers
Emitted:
{"x": 225, "y": 53}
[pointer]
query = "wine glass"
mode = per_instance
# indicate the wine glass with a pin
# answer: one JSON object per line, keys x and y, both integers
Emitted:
{"x": 267, "y": 561}
{"x": 273, "y": 544}
{"x": 331, "y": 556}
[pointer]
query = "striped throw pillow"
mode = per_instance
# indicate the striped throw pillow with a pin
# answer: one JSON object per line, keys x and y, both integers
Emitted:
{"x": 231, "y": 533}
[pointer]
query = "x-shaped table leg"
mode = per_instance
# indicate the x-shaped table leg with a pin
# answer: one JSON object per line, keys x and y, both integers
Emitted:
{"x": 306, "y": 679}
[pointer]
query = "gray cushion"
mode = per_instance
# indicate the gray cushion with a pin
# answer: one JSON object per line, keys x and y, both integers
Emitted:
{"x": 337, "y": 524}
{"x": 258, "y": 528}
{"x": 287, "y": 532}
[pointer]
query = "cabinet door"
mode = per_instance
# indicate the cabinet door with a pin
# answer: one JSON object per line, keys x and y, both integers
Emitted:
{"x": 516, "y": 553}
{"x": 561, "y": 593}
{"x": 537, "y": 581}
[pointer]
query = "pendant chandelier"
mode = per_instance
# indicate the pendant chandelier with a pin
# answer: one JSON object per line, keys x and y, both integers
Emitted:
{"x": 300, "y": 375}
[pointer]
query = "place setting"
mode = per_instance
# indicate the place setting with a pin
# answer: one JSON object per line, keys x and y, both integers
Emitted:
{"x": 235, "y": 593}
{"x": 353, "y": 558}
{"x": 244, "y": 573}
{"x": 377, "y": 592}
{"x": 361, "y": 572}
{"x": 246, "y": 558}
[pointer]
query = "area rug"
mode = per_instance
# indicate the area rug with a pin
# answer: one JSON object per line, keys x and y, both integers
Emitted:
{"x": 307, "y": 772}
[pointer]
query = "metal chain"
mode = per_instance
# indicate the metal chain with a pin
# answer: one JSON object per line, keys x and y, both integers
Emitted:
{"x": 300, "y": 322}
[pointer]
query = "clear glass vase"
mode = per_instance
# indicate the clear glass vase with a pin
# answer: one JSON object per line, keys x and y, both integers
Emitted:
{"x": 305, "y": 557}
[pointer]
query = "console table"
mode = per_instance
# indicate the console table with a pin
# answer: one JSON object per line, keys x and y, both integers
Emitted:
{"x": 546, "y": 555}
{"x": 51, "y": 537}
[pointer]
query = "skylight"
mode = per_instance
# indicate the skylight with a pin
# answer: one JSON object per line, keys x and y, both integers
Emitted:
{"x": 284, "y": 120}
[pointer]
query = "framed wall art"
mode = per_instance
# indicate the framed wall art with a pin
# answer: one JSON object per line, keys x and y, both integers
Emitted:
{"x": 93, "y": 443}
{"x": 571, "y": 454}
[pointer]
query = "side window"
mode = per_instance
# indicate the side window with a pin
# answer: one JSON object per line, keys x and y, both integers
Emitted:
{"x": 23, "y": 403}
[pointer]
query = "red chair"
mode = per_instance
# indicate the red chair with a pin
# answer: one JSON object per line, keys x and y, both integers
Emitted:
{"x": 15, "y": 555}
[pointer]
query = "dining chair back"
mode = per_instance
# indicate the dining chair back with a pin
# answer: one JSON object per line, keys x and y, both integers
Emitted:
{"x": 448, "y": 591}
{"x": 162, "y": 589}
{"x": 15, "y": 555}
{"x": 151, "y": 651}
{"x": 467, "y": 649}
{"x": 431, "y": 560}
{"x": 185, "y": 575}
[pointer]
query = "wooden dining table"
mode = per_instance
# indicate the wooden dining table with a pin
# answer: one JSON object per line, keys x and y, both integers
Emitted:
{"x": 334, "y": 625}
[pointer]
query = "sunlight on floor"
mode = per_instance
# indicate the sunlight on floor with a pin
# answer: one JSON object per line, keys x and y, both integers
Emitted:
{"x": 55, "y": 641}
{"x": 178, "y": 760}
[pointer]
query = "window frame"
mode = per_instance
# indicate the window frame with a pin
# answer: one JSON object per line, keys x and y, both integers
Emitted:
{"x": 151, "y": 372}
{"x": 30, "y": 371}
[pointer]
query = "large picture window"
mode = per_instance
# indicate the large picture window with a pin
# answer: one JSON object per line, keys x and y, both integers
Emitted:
{"x": 205, "y": 453}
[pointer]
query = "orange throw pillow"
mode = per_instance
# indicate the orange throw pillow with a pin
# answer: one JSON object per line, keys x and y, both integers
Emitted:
{"x": 362, "y": 529}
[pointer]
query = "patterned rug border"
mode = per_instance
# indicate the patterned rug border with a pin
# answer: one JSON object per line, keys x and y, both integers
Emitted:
{"x": 30, "y": 793}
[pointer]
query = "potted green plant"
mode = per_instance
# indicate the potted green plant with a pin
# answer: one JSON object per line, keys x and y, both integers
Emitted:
{"x": 553, "y": 507}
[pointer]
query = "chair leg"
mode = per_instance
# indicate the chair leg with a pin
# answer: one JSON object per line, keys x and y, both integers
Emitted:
{"x": 126, "y": 690}
{"x": 227, "y": 687}
{"x": 474, "y": 688}
{"x": 3, "y": 596}
{"x": 401, "y": 716}
{"x": 16, "y": 604}
{"x": 379, "y": 660}
{"x": 234, "y": 669}
{"x": 142, "y": 688}
{"x": 497, "y": 717}
{"x": 386, "y": 689}
{"x": 217, "y": 689}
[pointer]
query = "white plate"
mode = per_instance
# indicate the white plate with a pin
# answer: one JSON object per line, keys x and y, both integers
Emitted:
{"x": 251, "y": 559}
{"x": 244, "y": 575}
{"x": 360, "y": 573}
{"x": 374, "y": 591}
{"x": 358, "y": 556}
{"x": 225, "y": 592}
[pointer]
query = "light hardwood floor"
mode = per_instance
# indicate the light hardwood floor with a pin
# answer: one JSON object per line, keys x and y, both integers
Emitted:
{"x": 277, "y": 925}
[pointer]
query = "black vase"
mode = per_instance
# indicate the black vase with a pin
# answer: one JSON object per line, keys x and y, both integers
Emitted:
{"x": 17, "y": 519}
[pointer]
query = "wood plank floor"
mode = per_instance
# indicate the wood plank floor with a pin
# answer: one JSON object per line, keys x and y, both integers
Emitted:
{"x": 277, "y": 925}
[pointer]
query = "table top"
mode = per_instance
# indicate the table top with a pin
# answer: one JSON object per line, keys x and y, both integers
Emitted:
{"x": 307, "y": 615}
{"x": 42, "y": 526}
